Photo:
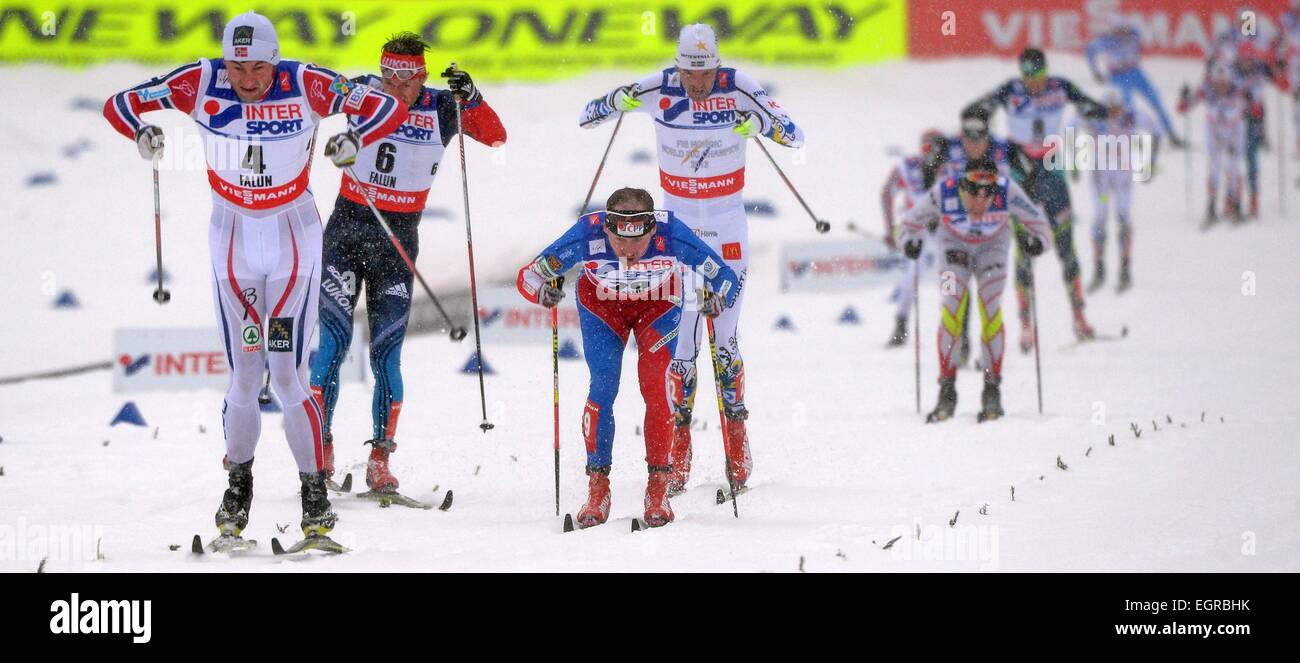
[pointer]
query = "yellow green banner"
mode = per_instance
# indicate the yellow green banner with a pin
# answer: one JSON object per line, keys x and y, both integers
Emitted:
{"x": 495, "y": 39}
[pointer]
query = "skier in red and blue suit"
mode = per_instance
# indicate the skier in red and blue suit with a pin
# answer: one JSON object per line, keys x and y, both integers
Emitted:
{"x": 637, "y": 262}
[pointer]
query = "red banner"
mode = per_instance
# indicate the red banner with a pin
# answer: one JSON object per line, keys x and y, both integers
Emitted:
{"x": 943, "y": 28}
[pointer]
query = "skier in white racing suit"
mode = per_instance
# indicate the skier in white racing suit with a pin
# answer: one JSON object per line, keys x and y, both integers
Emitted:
{"x": 704, "y": 114}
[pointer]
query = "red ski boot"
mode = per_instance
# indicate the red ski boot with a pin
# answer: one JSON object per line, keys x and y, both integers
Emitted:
{"x": 596, "y": 510}
{"x": 658, "y": 512}
{"x": 738, "y": 449}
{"x": 378, "y": 477}
{"x": 1082, "y": 330}
{"x": 681, "y": 460}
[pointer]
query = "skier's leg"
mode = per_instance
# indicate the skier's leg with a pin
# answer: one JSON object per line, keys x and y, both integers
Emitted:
{"x": 990, "y": 277}
{"x": 389, "y": 285}
{"x": 604, "y": 334}
{"x": 654, "y": 341}
{"x": 293, "y": 240}
{"x": 954, "y": 298}
{"x": 239, "y": 294}
{"x": 340, "y": 283}
{"x": 1101, "y": 208}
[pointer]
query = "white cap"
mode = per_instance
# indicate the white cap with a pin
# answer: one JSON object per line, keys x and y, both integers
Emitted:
{"x": 250, "y": 37}
{"x": 697, "y": 48}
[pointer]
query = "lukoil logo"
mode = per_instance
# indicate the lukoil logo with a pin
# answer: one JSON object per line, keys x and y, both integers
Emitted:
{"x": 76, "y": 616}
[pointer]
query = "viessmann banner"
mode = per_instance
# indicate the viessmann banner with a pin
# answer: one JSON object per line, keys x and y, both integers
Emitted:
{"x": 495, "y": 39}
{"x": 1185, "y": 28}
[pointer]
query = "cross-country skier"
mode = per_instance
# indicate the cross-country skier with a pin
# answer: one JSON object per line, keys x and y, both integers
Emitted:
{"x": 396, "y": 174}
{"x": 1035, "y": 105}
{"x": 638, "y": 263}
{"x": 1226, "y": 105}
{"x": 1254, "y": 64}
{"x": 908, "y": 179}
{"x": 258, "y": 115}
{"x": 1121, "y": 49}
{"x": 974, "y": 218}
{"x": 1113, "y": 182}
{"x": 703, "y": 114}
{"x": 1287, "y": 58}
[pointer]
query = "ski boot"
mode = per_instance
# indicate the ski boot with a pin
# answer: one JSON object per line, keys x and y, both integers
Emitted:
{"x": 737, "y": 441}
{"x": 899, "y": 336}
{"x": 680, "y": 459}
{"x": 947, "y": 401}
{"x": 378, "y": 477}
{"x": 1098, "y": 275}
{"x": 596, "y": 510}
{"x": 232, "y": 516}
{"x": 1082, "y": 330}
{"x": 1125, "y": 277}
{"x": 990, "y": 400}
{"x": 658, "y": 512}
{"x": 1254, "y": 204}
{"x": 318, "y": 518}
{"x": 1234, "y": 210}
{"x": 1211, "y": 217}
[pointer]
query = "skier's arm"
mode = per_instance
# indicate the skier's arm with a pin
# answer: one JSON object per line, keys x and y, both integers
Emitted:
{"x": 377, "y": 114}
{"x": 177, "y": 90}
{"x": 481, "y": 122}
{"x": 993, "y": 100}
{"x": 1094, "y": 47}
{"x": 554, "y": 260}
{"x": 921, "y": 217}
{"x": 705, "y": 263}
{"x": 602, "y": 108}
{"x": 774, "y": 122}
{"x": 892, "y": 185}
{"x": 1027, "y": 218}
{"x": 1085, "y": 105}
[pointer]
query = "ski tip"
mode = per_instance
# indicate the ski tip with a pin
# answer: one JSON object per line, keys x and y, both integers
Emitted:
{"x": 721, "y": 497}
{"x": 446, "y": 502}
{"x": 347, "y": 483}
{"x": 636, "y": 524}
{"x": 568, "y": 522}
{"x": 196, "y": 545}
{"x": 276, "y": 548}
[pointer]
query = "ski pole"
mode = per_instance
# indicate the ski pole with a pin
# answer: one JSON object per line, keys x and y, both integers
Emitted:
{"x": 161, "y": 294}
{"x": 457, "y": 333}
{"x": 722, "y": 415}
{"x": 555, "y": 390}
{"x": 587, "y": 201}
{"x": 1033, "y": 314}
{"x": 1281, "y": 149}
{"x": 916, "y": 327}
{"x": 1187, "y": 163}
{"x": 822, "y": 226}
{"x": 860, "y": 232}
{"x": 473, "y": 286}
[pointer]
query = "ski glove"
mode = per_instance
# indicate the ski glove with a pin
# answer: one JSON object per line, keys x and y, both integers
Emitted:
{"x": 710, "y": 305}
{"x": 749, "y": 125}
{"x": 623, "y": 99}
{"x": 342, "y": 149}
{"x": 149, "y": 140}
{"x": 551, "y": 293}
{"x": 912, "y": 249}
{"x": 462, "y": 85}
{"x": 1030, "y": 245}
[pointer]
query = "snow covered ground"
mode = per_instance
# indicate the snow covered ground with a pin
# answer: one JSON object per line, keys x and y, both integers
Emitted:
{"x": 843, "y": 462}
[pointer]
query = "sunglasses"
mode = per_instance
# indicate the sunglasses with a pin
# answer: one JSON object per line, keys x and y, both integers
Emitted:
{"x": 630, "y": 223}
{"x": 400, "y": 74}
{"x": 980, "y": 183}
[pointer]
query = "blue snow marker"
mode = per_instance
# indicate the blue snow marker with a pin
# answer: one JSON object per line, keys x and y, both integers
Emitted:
{"x": 129, "y": 414}
{"x": 41, "y": 179}
{"x": 569, "y": 350}
{"x": 67, "y": 300}
{"x": 153, "y": 276}
{"x": 849, "y": 317}
{"x": 760, "y": 208}
{"x": 471, "y": 366}
{"x": 783, "y": 322}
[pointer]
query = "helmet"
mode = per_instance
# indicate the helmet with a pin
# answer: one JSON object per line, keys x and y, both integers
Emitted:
{"x": 1032, "y": 63}
{"x": 697, "y": 48}
{"x": 250, "y": 37}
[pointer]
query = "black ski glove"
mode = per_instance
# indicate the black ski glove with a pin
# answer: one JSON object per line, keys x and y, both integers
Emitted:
{"x": 462, "y": 85}
{"x": 912, "y": 249}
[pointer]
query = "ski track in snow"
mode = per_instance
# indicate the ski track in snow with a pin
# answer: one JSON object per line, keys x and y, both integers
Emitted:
{"x": 843, "y": 462}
